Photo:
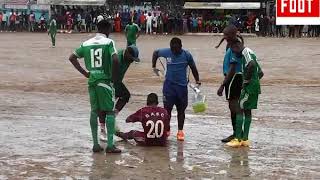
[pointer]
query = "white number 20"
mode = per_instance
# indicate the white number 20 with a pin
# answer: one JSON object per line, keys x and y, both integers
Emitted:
{"x": 96, "y": 58}
{"x": 156, "y": 129}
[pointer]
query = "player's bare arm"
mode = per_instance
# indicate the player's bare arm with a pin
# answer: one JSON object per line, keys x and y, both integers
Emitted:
{"x": 74, "y": 60}
{"x": 251, "y": 66}
{"x": 155, "y": 57}
{"x": 227, "y": 79}
{"x": 136, "y": 117}
{"x": 115, "y": 68}
{"x": 261, "y": 74}
{"x": 195, "y": 73}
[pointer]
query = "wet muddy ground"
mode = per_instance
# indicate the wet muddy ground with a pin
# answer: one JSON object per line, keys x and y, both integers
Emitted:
{"x": 44, "y": 114}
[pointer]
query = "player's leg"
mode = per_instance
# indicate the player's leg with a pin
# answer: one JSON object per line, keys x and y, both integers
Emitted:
{"x": 246, "y": 128}
{"x": 168, "y": 100}
{"x": 102, "y": 122}
{"x": 232, "y": 92}
{"x": 236, "y": 142}
{"x": 125, "y": 136}
{"x": 123, "y": 95}
{"x": 93, "y": 119}
{"x": 181, "y": 104}
{"x": 106, "y": 101}
{"x": 250, "y": 104}
{"x": 53, "y": 39}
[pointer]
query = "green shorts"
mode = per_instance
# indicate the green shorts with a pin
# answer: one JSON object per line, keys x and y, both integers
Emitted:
{"x": 102, "y": 97}
{"x": 248, "y": 101}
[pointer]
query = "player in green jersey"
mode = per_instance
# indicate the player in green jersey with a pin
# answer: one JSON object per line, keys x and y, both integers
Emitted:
{"x": 53, "y": 30}
{"x": 101, "y": 60}
{"x": 126, "y": 57}
{"x": 132, "y": 33}
{"x": 252, "y": 74}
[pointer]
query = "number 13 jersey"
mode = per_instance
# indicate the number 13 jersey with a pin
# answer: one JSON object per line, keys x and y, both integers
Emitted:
{"x": 97, "y": 53}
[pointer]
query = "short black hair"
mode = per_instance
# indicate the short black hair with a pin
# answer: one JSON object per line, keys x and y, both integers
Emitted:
{"x": 235, "y": 42}
{"x": 103, "y": 24}
{"x": 152, "y": 99}
{"x": 176, "y": 40}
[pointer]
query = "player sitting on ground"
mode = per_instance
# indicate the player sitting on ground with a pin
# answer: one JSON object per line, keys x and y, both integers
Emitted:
{"x": 101, "y": 60}
{"x": 155, "y": 122}
{"x": 252, "y": 74}
{"x": 126, "y": 57}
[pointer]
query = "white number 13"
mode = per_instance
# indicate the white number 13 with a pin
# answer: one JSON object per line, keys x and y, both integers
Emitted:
{"x": 96, "y": 58}
{"x": 156, "y": 129}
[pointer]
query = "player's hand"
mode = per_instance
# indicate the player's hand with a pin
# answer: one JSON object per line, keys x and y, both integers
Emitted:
{"x": 198, "y": 83}
{"x": 87, "y": 75}
{"x": 156, "y": 71}
{"x": 220, "y": 90}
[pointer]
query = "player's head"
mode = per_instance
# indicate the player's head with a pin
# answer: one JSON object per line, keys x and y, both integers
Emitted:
{"x": 236, "y": 46}
{"x": 230, "y": 32}
{"x": 131, "y": 54}
{"x": 152, "y": 99}
{"x": 176, "y": 45}
{"x": 104, "y": 27}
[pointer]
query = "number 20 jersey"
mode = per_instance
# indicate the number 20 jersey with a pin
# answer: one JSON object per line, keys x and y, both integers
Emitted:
{"x": 155, "y": 121}
{"x": 97, "y": 53}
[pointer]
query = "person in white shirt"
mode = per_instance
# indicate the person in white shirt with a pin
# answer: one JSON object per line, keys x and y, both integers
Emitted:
{"x": 155, "y": 23}
{"x": 149, "y": 23}
{"x": 257, "y": 28}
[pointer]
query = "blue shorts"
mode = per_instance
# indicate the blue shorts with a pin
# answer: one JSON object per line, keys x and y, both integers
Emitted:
{"x": 174, "y": 94}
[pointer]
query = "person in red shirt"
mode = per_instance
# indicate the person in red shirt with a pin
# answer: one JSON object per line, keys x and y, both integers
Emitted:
{"x": 155, "y": 122}
{"x": 142, "y": 21}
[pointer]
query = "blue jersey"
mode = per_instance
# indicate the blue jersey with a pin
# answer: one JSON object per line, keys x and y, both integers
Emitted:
{"x": 230, "y": 58}
{"x": 177, "y": 65}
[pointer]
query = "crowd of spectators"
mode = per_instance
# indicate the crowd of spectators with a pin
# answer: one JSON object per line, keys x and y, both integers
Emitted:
{"x": 153, "y": 22}
{"x": 22, "y": 21}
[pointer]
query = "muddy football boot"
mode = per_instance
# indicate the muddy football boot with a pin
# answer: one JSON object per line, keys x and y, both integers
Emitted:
{"x": 103, "y": 135}
{"x": 113, "y": 150}
{"x": 180, "y": 135}
{"x": 228, "y": 139}
{"x": 235, "y": 143}
{"x": 245, "y": 143}
{"x": 97, "y": 149}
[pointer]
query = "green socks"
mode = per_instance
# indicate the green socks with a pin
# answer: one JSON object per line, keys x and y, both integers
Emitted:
{"x": 94, "y": 127}
{"x": 239, "y": 124}
{"x": 110, "y": 122}
{"x": 53, "y": 39}
{"x": 243, "y": 126}
{"x": 246, "y": 128}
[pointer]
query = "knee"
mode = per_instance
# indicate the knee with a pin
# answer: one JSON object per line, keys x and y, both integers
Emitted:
{"x": 234, "y": 106}
{"x": 126, "y": 97}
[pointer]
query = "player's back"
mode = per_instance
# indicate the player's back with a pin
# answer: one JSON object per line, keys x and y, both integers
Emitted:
{"x": 155, "y": 122}
{"x": 97, "y": 53}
